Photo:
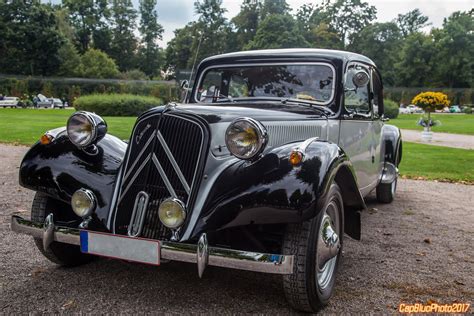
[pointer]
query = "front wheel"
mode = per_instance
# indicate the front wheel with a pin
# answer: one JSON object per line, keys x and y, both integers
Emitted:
{"x": 317, "y": 247}
{"x": 59, "y": 253}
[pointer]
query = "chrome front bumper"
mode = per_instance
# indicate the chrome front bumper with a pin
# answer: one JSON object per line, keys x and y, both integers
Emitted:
{"x": 201, "y": 254}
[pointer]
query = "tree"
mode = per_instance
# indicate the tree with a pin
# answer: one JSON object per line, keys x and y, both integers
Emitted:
{"x": 246, "y": 22}
{"x": 69, "y": 60}
{"x": 322, "y": 36}
{"x": 213, "y": 29}
{"x": 414, "y": 68}
{"x": 178, "y": 51}
{"x": 87, "y": 17}
{"x": 346, "y": 17}
{"x": 381, "y": 42}
{"x": 411, "y": 22}
{"x": 454, "y": 47}
{"x": 151, "y": 31}
{"x": 274, "y": 7}
{"x": 124, "y": 42}
{"x": 278, "y": 31}
{"x": 304, "y": 17}
{"x": 30, "y": 39}
{"x": 96, "y": 64}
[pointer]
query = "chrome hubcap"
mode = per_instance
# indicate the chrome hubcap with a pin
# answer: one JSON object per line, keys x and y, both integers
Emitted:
{"x": 328, "y": 245}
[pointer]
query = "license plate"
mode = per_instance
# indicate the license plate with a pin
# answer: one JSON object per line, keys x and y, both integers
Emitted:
{"x": 121, "y": 247}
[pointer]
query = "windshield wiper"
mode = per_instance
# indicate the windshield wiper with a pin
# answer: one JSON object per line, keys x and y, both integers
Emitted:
{"x": 310, "y": 104}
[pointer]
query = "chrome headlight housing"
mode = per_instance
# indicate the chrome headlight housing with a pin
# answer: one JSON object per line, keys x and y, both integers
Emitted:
{"x": 85, "y": 128}
{"x": 83, "y": 202}
{"x": 172, "y": 213}
{"x": 246, "y": 138}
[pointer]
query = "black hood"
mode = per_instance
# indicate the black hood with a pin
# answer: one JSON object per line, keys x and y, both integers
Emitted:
{"x": 261, "y": 111}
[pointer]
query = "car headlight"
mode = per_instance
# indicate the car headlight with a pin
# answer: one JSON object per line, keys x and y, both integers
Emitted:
{"x": 84, "y": 128}
{"x": 245, "y": 138}
{"x": 172, "y": 213}
{"x": 83, "y": 202}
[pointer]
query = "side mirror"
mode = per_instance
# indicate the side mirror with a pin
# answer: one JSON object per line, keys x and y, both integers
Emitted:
{"x": 184, "y": 84}
{"x": 360, "y": 79}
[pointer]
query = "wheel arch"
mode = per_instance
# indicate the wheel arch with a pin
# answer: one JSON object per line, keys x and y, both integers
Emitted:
{"x": 352, "y": 199}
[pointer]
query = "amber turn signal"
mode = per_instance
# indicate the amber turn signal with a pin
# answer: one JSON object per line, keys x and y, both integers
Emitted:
{"x": 46, "y": 139}
{"x": 296, "y": 157}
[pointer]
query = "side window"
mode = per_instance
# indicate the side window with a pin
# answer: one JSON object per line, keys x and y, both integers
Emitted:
{"x": 357, "y": 97}
{"x": 377, "y": 90}
{"x": 210, "y": 86}
{"x": 238, "y": 87}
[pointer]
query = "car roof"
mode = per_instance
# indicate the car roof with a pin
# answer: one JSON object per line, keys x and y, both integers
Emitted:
{"x": 289, "y": 53}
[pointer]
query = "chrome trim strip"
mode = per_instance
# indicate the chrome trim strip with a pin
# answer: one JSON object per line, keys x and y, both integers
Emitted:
{"x": 163, "y": 176}
{"x": 139, "y": 156}
{"x": 138, "y": 215}
{"x": 219, "y": 257}
{"x": 176, "y": 168}
{"x": 302, "y": 148}
{"x": 133, "y": 179}
{"x": 333, "y": 90}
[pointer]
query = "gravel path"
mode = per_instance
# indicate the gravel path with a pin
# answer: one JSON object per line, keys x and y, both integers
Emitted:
{"x": 441, "y": 139}
{"x": 417, "y": 249}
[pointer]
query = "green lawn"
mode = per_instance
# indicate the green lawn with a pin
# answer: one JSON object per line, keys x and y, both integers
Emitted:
{"x": 25, "y": 126}
{"x": 450, "y": 123}
{"x": 437, "y": 163}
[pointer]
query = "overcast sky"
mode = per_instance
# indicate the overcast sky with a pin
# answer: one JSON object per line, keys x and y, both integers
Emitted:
{"x": 175, "y": 14}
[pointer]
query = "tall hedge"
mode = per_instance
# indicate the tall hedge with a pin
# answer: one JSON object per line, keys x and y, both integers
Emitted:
{"x": 116, "y": 104}
{"x": 69, "y": 89}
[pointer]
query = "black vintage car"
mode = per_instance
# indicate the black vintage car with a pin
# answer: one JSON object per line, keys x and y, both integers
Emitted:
{"x": 263, "y": 167}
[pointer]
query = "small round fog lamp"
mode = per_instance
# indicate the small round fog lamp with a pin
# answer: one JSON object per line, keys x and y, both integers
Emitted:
{"x": 172, "y": 213}
{"x": 83, "y": 202}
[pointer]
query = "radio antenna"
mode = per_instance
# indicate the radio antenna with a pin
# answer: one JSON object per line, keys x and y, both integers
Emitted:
{"x": 192, "y": 69}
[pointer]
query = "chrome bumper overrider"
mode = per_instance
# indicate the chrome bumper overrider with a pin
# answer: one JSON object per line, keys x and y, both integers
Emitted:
{"x": 201, "y": 254}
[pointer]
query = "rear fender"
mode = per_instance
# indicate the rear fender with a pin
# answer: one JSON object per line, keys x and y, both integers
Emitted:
{"x": 392, "y": 144}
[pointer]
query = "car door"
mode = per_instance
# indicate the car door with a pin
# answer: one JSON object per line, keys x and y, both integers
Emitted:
{"x": 356, "y": 131}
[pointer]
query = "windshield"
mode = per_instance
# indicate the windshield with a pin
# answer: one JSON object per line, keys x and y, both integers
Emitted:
{"x": 310, "y": 82}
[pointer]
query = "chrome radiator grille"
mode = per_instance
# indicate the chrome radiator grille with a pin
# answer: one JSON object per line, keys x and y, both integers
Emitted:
{"x": 163, "y": 161}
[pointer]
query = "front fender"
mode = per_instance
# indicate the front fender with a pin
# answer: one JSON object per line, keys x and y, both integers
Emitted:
{"x": 60, "y": 168}
{"x": 271, "y": 190}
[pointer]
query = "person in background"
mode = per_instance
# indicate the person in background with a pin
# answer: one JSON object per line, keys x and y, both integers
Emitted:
{"x": 1, "y": 97}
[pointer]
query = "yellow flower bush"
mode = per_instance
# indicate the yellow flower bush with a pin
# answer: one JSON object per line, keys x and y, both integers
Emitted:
{"x": 430, "y": 101}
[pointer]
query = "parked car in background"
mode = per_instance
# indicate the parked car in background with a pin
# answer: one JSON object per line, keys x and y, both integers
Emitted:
{"x": 43, "y": 102}
{"x": 455, "y": 109}
{"x": 410, "y": 109}
{"x": 264, "y": 167}
{"x": 11, "y": 102}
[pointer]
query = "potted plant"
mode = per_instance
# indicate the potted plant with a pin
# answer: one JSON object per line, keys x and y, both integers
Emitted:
{"x": 429, "y": 101}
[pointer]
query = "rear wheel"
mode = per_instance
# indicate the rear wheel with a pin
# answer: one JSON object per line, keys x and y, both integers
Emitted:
{"x": 59, "y": 253}
{"x": 316, "y": 246}
{"x": 386, "y": 191}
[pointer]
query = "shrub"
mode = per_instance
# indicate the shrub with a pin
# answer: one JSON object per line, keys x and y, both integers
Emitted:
{"x": 116, "y": 104}
{"x": 391, "y": 108}
{"x": 97, "y": 64}
{"x": 467, "y": 110}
